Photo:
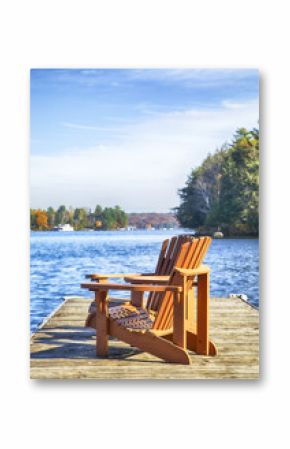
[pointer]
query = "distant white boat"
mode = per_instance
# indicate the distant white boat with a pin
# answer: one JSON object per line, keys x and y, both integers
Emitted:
{"x": 130, "y": 228}
{"x": 65, "y": 227}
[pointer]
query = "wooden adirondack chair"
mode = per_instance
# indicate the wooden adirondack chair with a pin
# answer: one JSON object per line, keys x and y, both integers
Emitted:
{"x": 165, "y": 264}
{"x": 165, "y": 326}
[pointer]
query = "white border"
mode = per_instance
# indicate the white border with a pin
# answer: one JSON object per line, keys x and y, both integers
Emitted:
{"x": 140, "y": 34}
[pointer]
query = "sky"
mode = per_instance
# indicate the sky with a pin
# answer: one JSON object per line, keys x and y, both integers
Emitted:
{"x": 130, "y": 137}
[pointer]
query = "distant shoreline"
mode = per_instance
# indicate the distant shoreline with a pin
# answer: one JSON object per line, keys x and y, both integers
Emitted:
{"x": 189, "y": 231}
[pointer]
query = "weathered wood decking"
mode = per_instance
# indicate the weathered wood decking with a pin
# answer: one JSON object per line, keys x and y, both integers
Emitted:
{"x": 64, "y": 349}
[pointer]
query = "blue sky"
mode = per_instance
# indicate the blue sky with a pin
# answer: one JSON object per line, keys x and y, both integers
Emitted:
{"x": 130, "y": 136}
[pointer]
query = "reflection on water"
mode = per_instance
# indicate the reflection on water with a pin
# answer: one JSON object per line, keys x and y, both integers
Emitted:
{"x": 59, "y": 262}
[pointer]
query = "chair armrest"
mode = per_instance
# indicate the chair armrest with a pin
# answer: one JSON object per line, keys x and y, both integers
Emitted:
{"x": 147, "y": 279}
{"x": 203, "y": 269}
{"x": 92, "y": 286}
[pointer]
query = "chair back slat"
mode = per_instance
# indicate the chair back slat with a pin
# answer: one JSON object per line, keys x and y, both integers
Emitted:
{"x": 198, "y": 253}
{"x": 180, "y": 240}
{"x": 165, "y": 265}
{"x": 205, "y": 246}
{"x": 190, "y": 256}
{"x": 188, "y": 260}
{"x": 161, "y": 256}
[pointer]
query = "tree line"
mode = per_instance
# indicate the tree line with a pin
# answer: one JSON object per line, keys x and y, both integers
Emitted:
{"x": 102, "y": 218}
{"x": 223, "y": 192}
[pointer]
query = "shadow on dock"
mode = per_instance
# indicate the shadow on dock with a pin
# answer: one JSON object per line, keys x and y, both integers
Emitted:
{"x": 75, "y": 342}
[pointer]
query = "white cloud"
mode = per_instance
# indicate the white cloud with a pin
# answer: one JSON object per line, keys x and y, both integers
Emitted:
{"x": 229, "y": 104}
{"x": 144, "y": 170}
{"x": 194, "y": 77}
{"x": 89, "y": 127}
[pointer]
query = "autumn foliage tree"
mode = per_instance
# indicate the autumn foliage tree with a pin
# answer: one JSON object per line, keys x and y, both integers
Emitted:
{"x": 39, "y": 219}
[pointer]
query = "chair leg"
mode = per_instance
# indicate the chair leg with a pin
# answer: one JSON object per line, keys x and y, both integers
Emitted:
{"x": 179, "y": 319}
{"x": 101, "y": 323}
{"x": 192, "y": 344}
{"x": 202, "y": 343}
{"x": 191, "y": 310}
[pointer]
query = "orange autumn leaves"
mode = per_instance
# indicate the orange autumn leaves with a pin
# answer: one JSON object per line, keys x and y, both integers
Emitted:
{"x": 39, "y": 218}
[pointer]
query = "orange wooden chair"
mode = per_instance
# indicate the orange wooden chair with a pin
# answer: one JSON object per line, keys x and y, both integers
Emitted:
{"x": 165, "y": 326}
{"x": 165, "y": 264}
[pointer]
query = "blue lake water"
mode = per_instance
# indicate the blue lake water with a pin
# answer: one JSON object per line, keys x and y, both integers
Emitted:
{"x": 60, "y": 260}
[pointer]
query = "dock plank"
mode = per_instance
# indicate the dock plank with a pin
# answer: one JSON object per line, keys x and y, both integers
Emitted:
{"x": 62, "y": 348}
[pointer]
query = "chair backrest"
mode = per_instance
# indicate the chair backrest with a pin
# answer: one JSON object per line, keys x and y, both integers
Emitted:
{"x": 189, "y": 255}
{"x": 169, "y": 252}
{"x": 167, "y": 258}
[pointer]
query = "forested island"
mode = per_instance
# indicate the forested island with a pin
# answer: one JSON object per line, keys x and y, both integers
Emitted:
{"x": 222, "y": 194}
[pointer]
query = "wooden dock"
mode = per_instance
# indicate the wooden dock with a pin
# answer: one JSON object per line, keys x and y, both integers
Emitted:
{"x": 62, "y": 348}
